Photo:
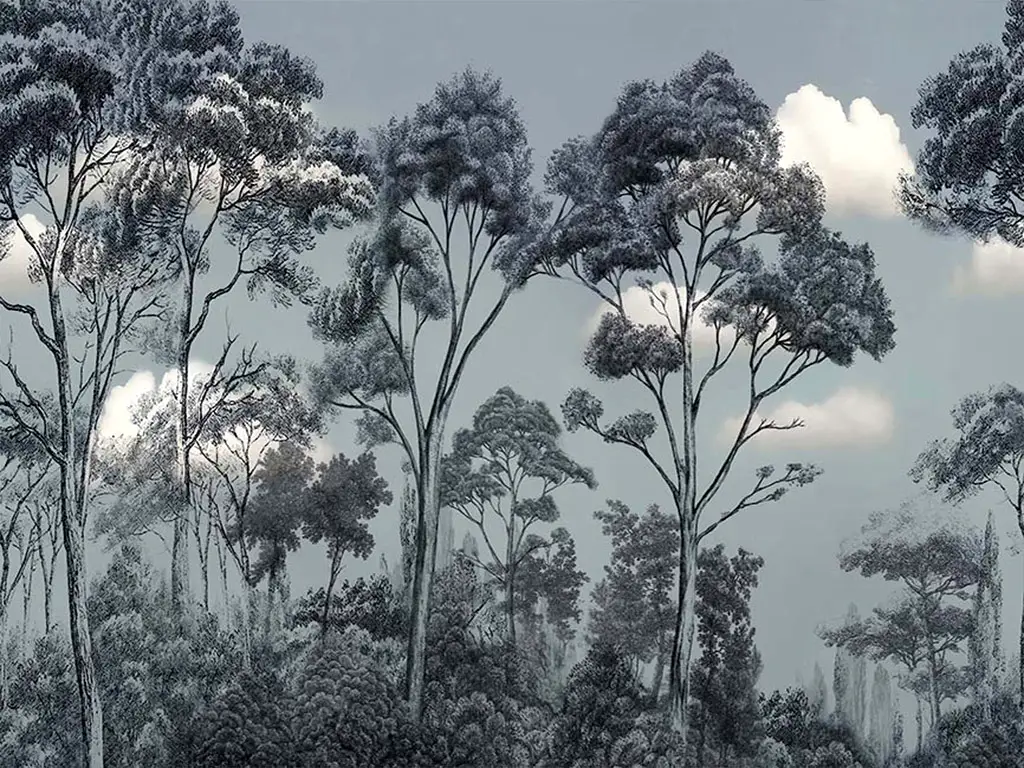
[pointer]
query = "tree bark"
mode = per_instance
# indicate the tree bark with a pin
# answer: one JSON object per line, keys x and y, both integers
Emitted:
{"x": 685, "y": 632}
{"x": 686, "y": 507}
{"x": 659, "y": 671}
{"x": 1020, "y": 643}
{"x": 4, "y": 658}
{"x": 428, "y": 503}
{"x": 333, "y": 577}
{"x": 510, "y": 585}
{"x": 920, "y": 724}
{"x": 179, "y": 546}
{"x": 26, "y": 603}
{"x": 72, "y": 509}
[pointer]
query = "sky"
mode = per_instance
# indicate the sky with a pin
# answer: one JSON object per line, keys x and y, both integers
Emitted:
{"x": 843, "y": 76}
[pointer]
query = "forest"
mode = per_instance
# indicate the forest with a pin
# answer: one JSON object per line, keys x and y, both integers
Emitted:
{"x": 156, "y": 165}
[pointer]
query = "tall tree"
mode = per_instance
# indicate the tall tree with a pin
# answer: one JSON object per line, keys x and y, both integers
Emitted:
{"x": 73, "y": 130}
{"x": 236, "y": 154}
{"x": 345, "y": 496}
{"x": 510, "y": 454}
{"x": 988, "y": 451}
{"x": 985, "y": 666}
{"x": 850, "y": 682}
{"x": 936, "y": 563}
{"x": 681, "y": 181}
{"x": 455, "y": 198}
{"x": 817, "y": 694}
{"x": 882, "y": 718}
{"x": 633, "y": 604}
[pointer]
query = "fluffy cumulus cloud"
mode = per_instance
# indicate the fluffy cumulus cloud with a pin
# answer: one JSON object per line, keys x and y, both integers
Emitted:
{"x": 120, "y": 420}
{"x": 849, "y": 417}
{"x": 996, "y": 268}
{"x": 17, "y": 256}
{"x": 643, "y": 308}
{"x": 858, "y": 155}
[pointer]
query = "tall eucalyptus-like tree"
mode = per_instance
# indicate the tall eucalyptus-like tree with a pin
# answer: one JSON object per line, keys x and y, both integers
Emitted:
{"x": 454, "y": 199}
{"x": 235, "y": 154}
{"x": 72, "y": 121}
{"x": 681, "y": 181}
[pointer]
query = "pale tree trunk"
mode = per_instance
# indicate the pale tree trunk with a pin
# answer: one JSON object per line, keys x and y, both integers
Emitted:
{"x": 659, "y": 671}
{"x": 222, "y": 566}
{"x": 686, "y": 507}
{"x": 1020, "y": 639}
{"x": 72, "y": 508}
{"x": 26, "y": 600}
{"x": 5, "y": 645}
{"x": 248, "y": 597}
{"x": 920, "y": 723}
{"x": 203, "y": 551}
{"x": 685, "y": 632}
{"x": 47, "y": 570}
{"x": 179, "y": 546}
{"x": 428, "y": 503}
{"x": 510, "y": 579}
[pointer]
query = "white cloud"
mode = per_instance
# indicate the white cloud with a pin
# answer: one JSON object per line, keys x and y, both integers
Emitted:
{"x": 643, "y": 309}
{"x": 849, "y": 417}
{"x": 996, "y": 268}
{"x": 120, "y": 421}
{"x": 858, "y": 156}
{"x": 18, "y": 255}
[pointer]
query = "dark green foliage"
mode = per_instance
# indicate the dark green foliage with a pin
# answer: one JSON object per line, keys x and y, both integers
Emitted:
{"x": 246, "y": 726}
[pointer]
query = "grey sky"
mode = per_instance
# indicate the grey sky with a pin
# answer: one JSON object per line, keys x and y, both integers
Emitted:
{"x": 565, "y": 63}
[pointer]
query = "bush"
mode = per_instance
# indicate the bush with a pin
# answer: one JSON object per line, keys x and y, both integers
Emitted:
{"x": 346, "y": 712}
{"x": 246, "y": 726}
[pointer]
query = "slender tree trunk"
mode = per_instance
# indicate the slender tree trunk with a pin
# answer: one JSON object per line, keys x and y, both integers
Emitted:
{"x": 5, "y": 647}
{"x": 247, "y": 640}
{"x": 1020, "y": 643}
{"x": 222, "y": 564}
{"x": 179, "y": 546}
{"x": 920, "y": 723}
{"x": 335, "y": 563}
{"x": 428, "y": 504}
{"x": 933, "y": 680}
{"x": 685, "y": 631}
{"x": 72, "y": 515}
{"x": 26, "y": 603}
{"x": 659, "y": 671}
{"x": 686, "y": 506}
{"x": 510, "y": 595}
{"x": 81, "y": 642}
